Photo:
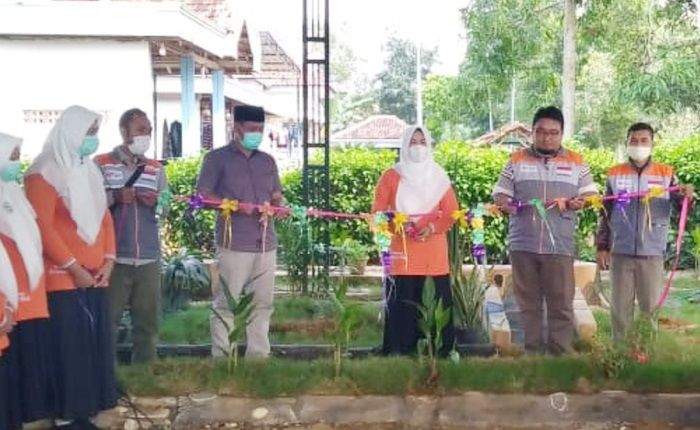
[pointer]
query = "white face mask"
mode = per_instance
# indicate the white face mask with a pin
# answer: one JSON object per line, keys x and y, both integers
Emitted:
{"x": 140, "y": 145}
{"x": 639, "y": 153}
{"x": 418, "y": 153}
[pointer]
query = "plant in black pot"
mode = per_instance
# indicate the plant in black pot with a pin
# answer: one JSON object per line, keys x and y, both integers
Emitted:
{"x": 353, "y": 254}
{"x": 467, "y": 293}
{"x": 183, "y": 274}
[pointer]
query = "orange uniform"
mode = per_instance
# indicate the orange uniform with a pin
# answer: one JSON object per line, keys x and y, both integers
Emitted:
{"x": 32, "y": 304}
{"x": 59, "y": 236}
{"x": 427, "y": 258}
{"x": 4, "y": 341}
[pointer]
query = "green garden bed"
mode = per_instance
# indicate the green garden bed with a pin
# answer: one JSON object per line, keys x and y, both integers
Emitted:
{"x": 673, "y": 364}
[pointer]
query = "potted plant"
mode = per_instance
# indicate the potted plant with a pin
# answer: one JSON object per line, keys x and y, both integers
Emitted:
{"x": 352, "y": 254}
{"x": 467, "y": 293}
{"x": 183, "y": 274}
{"x": 357, "y": 255}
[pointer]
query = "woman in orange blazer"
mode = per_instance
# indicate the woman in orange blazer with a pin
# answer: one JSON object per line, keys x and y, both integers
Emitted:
{"x": 28, "y": 360}
{"x": 66, "y": 190}
{"x": 416, "y": 185}
{"x": 10, "y": 415}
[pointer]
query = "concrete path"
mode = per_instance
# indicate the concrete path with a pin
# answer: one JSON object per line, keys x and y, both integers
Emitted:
{"x": 606, "y": 410}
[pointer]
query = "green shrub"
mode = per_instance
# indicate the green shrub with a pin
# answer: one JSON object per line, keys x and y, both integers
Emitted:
{"x": 685, "y": 157}
{"x": 182, "y": 229}
{"x": 355, "y": 173}
{"x": 473, "y": 171}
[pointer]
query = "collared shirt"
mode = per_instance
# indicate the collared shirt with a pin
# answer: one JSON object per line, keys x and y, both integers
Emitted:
{"x": 136, "y": 225}
{"x": 529, "y": 175}
{"x": 228, "y": 173}
{"x": 628, "y": 230}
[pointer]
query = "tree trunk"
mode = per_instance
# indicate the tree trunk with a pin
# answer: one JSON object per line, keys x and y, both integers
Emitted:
{"x": 490, "y": 112}
{"x": 568, "y": 87}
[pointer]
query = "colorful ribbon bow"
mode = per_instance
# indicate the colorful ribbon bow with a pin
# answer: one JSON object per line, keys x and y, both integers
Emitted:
{"x": 399, "y": 222}
{"x": 541, "y": 210}
{"x": 460, "y": 217}
{"x": 479, "y": 252}
{"x": 654, "y": 192}
{"x": 477, "y": 223}
{"x": 164, "y": 199}
{"x": 622, "y": 200}
{"x": 596, "y": 202}
{"x": 227, "y": 208}
{"x": 379, "y": 225}
{"x": 195, "y": 203}
{"x": 266, "y": 212}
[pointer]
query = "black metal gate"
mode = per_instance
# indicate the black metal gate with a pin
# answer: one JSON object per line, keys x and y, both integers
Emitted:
{"x": 316, "y": 130}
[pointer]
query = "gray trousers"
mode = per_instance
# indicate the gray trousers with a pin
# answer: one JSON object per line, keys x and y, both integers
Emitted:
{"x": 549, "y": 277}
{"x": 245, "y": 271}
{"x": 633, "y": 277}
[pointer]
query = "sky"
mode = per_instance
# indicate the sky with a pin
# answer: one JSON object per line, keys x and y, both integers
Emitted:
{"x": 365, "y": 24}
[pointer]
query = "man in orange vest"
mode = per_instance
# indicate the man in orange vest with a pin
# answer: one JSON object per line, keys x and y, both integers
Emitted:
{"x": 631, "y": 240}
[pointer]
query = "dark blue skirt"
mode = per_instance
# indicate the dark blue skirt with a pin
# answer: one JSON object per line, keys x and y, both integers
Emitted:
{"x": 83, "y": 352}
{"x": 30, "y": 362}
{"x": 10, "y": 412}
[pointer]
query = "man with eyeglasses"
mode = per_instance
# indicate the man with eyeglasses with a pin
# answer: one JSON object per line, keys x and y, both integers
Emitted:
{"x": 541, "y": 188}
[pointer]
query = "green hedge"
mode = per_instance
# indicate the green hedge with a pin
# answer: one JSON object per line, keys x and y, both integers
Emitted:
{"x": 182, "y": 229}
{"x": 473, "y": 170}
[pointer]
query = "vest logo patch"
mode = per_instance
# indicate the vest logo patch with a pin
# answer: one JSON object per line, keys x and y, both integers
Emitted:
{"x": 564, "y": 170}
{"x": 528, "y": 168}
{"x": 623, "y": 184}
{"x": 114, "y": 175}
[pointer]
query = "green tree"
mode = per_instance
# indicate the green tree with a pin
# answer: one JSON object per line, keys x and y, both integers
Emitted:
{"x": 353, "y": 98}
{"x": 512, "y": 65}
{"x": 396, "y": 84}
{"x": 634, "y": 60}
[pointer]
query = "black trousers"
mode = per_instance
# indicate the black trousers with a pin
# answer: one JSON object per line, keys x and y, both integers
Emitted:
{"x": 83, "y": 352}
{"x": 401, "y": 332}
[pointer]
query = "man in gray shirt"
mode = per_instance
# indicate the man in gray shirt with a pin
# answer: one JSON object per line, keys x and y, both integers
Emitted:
{"x": 134, "y": 184}
{"x": 240, "y": 172}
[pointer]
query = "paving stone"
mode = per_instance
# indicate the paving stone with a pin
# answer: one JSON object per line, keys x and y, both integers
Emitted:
{"x": 419, "y": 411}
{"x": 346, "y": 409}
{"x": 226, "y": 410}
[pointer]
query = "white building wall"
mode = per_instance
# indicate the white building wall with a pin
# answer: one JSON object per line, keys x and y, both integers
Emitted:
{"x": 52, "y": 74}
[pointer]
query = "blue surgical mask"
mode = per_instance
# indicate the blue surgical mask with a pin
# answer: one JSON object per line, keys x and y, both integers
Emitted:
{"x": 89, "y": 146}
{"x": 251, "y": 141}
{"x": 11, "y": 171}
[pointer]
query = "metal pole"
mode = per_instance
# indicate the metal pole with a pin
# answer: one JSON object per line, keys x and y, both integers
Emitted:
{"x": 419, "y": 86}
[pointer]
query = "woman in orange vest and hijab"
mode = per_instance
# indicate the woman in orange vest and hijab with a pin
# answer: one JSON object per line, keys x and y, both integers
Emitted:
{"x": 416, "y": 185}
{"x": 10, "y": 415}
{"x": 66, "y": 190}
{"x": 28, "y": 360}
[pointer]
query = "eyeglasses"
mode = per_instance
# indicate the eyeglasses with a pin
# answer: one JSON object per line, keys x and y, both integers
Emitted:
{"x": 547, "y": 133}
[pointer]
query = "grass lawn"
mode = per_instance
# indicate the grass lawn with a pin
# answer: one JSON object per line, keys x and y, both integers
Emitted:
{"x": 295, "y": 320}
{"x": 400, "y": 376}
{"x": 673, "y": 366}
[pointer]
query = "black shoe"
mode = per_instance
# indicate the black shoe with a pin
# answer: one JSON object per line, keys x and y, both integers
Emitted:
{"x": 84, "y": 424}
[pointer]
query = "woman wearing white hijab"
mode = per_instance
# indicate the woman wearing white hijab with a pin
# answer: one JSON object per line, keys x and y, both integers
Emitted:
{"x": 66, "y": 190}
{"x": 419, "y": 187}
{"x": 28, "y": 358}
{"x": 10, "y": 412}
